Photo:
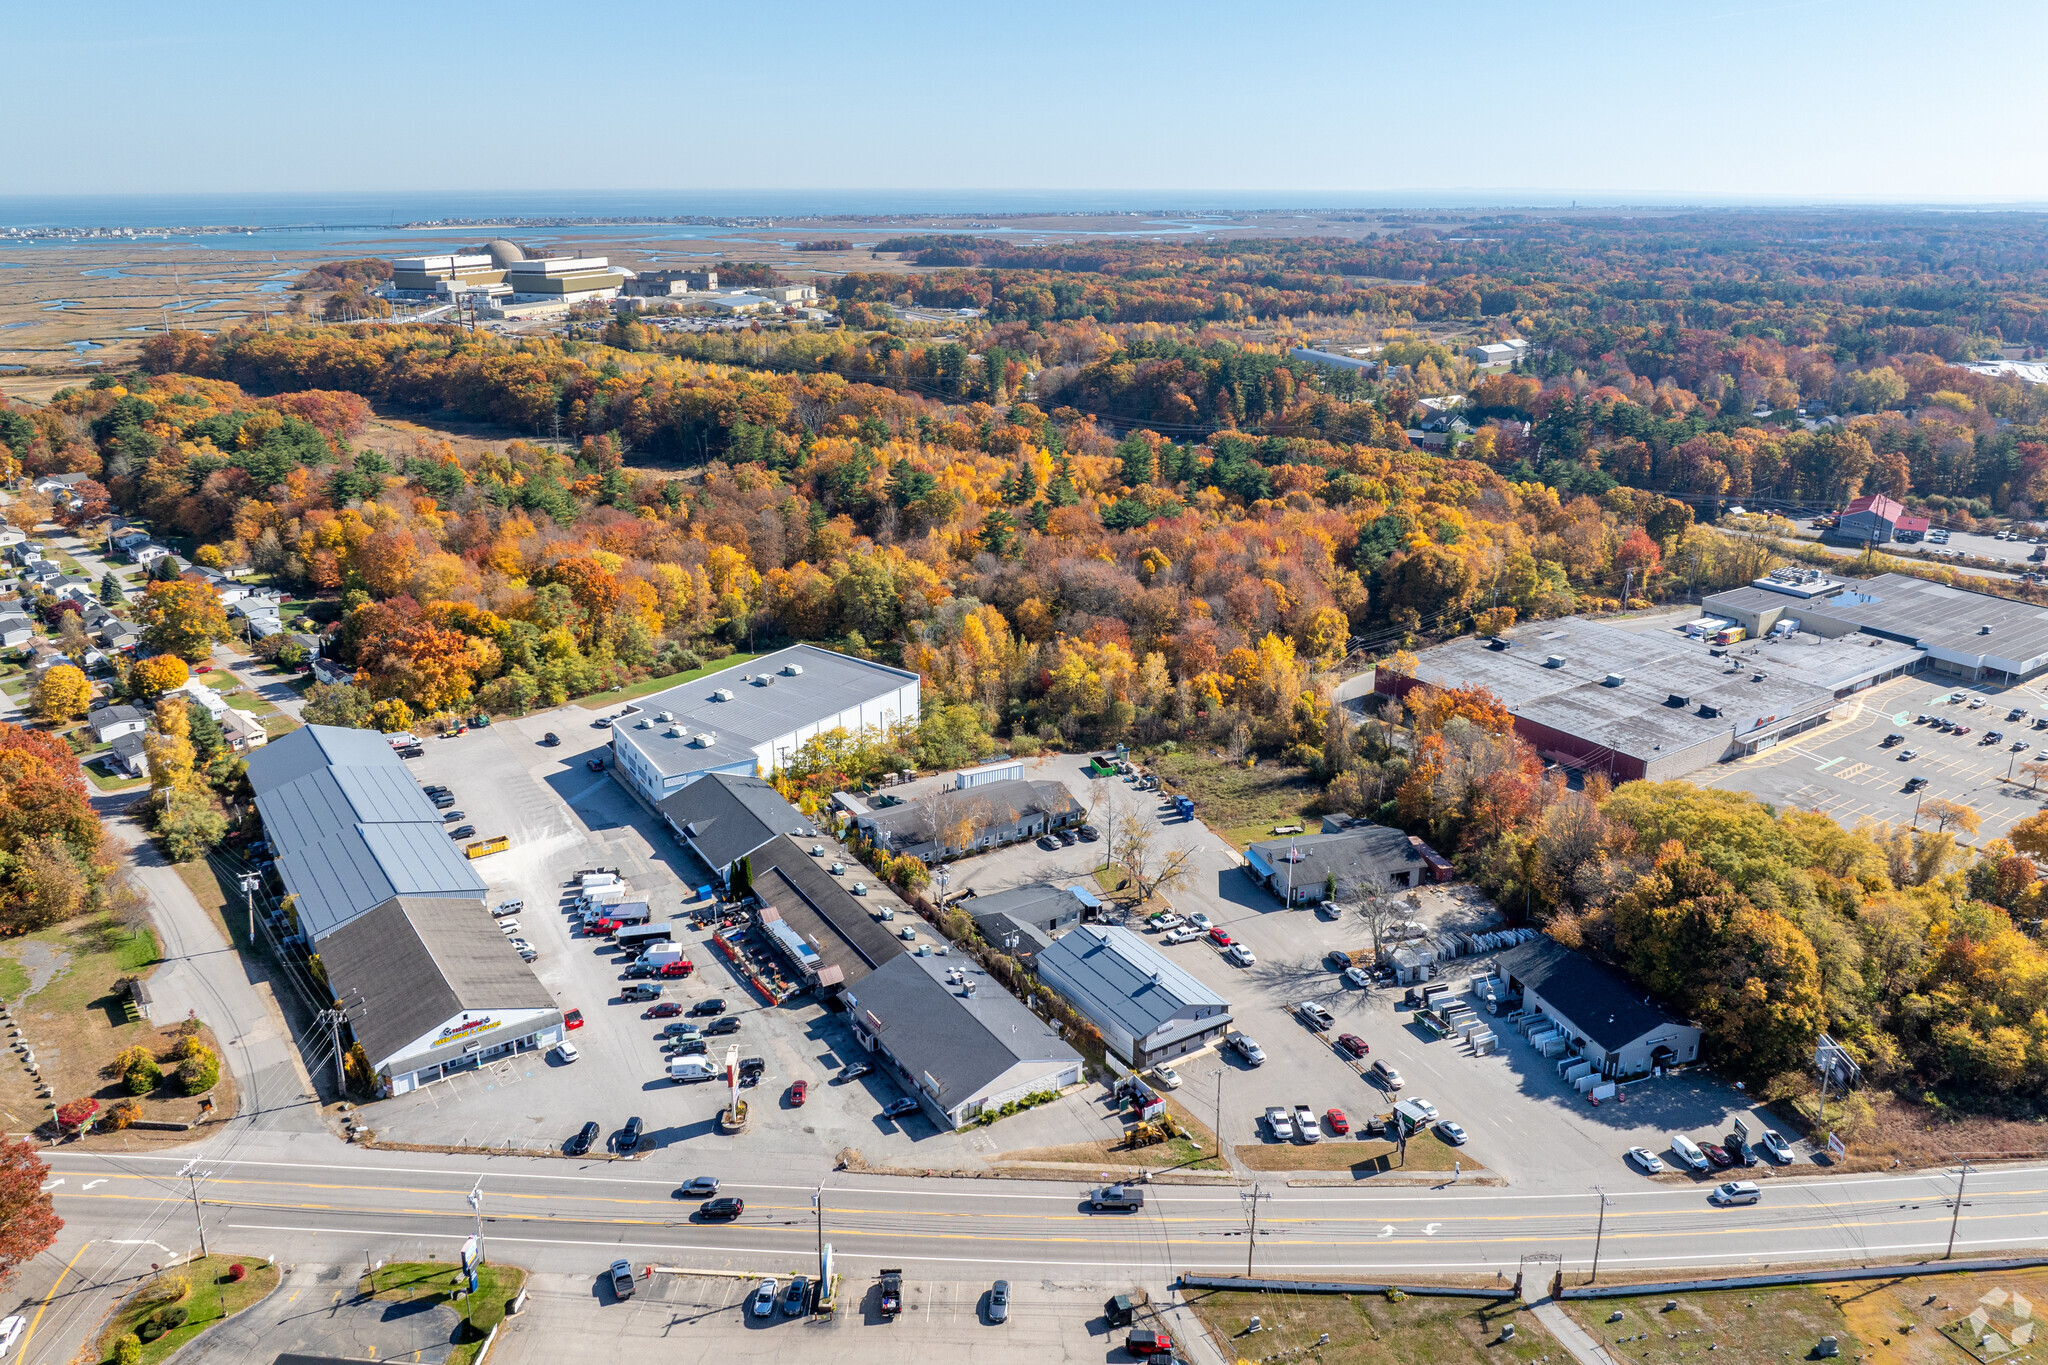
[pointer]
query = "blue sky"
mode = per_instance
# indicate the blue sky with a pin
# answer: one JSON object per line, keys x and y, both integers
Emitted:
{"x": 1824, "y": 100}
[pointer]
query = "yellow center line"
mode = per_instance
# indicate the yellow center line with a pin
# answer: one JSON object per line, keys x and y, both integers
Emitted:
{"x": 30, "y": 1335}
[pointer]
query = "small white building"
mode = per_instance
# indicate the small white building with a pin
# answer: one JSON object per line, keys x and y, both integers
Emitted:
{"x": 109, "y": 723}
{"x": 1146, "y": 1007}
{"x": 242, "y": 730}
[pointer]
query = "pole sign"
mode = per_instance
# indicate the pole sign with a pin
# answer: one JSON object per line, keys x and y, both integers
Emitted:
{"x": 1835, "y": 1146}
{"x": 469, "y": 1250}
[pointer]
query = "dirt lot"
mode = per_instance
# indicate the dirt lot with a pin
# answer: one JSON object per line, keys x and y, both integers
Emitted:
{"x": 1892, "y": 1322}
{"x": 76, "y": 1024}
{"x": 1365, "y": 1329}
{"x": 1240, "y": 804}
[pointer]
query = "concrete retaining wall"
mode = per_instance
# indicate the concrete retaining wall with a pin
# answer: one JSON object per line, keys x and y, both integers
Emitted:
{"x": 1242, "y": 1285}
{"x": 1877, "y": 1272}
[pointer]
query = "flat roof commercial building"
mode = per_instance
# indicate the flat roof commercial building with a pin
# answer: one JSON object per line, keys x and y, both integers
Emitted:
{"x": 424, "y": 274}
{"x": 954, "y": 821}
{"x": 844, "y": 931}
{"x": 432, "y": 988}
{"x": 1655, "y": 705}
{"x": 351, "y": 828}
{"x": 750, "y": 721}
{"x": 1966, "y": 634}
{"x": 567, "y": 279}
{"x": 1343, "y": 864}
{"x": 1146, "y": 1007}
{"x": 956, "y": 1040}
{"x": 1605, "y": 1015}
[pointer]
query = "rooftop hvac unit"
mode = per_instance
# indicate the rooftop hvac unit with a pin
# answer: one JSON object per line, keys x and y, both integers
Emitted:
{"x": 643, "y": 724}
{"x": 665, "y": 717}
{"x": 792, "y": 670}
{"x": 1678, "y": 701}
{"x": 1497, "y": 642}
{"x": 1553, "y": 661}
{"x": 1984, "y": 630}
{"x": 1710, "y": 712}
{"x": 765, "y": 680}
{"x": 674, "y": 732}
{"x": 703, "y": 739}
{"x": 1613, "y": 680}
{"x": 722, "y": 694}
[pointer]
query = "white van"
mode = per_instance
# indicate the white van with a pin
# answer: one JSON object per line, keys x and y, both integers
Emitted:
{"x": 682, "y": 1070}
{"x": 404, "y": 739}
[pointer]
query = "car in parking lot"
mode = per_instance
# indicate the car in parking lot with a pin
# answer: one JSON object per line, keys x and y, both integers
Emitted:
{"x": 1387, "y": 1076}
{"x": 715, "y": 1005}
{"x": 1774, "y": 1145}
{"x": 718, "y": 1028}
{"x": 1353, "y": 1044}
{"x": 508, "y": 927}
{"x": 855, "y": 1072}
{"x": 1716, "y": 1154}
{"x": 666, "y": 1009}
{"x": 1908, "y": 755}
{"x": 899, "y": 1106}
{"x": 1737, "y": 1192}
{"x": 565, "y": 1052}
{"x": 1739, "y": 1149}
{"x": 573, "y": 1019}
{"x": 527, "y": 952}
{"x": 595, "y": 765}
{"x": 629, "y": 1136}
{"x": 1315, "y": 1015}
{"x": 799, "y": 1091}
{"x": 688, "y": 1047}
{"x": 1165, "y": 919}
{"x": 726, "y": 1208}
{"x": 1089, "y": 835}
{"x": 999, "y": 1301}
{"x": 1220, "y": 937}
{"x": 449, "y": 817}
{"x": 1280, "y": 1123}
{"x": 1962, "y": 730}
{"x": 622, "y": 1279}
{"x": 1048, "y": 843}
{"x": 1336, "y": 1122}
{"x": 1688, "y": 1151}
{"x": 1167, "y": 1076}
{"x": 1916, "y": 784}
{"x": 580, "y": 1143}
{"x": 1648, "y": 1160}
{"x": 1068, "y": 838}
{"x": 462, "y": 832}
{"x": 1239, "y": 954}
{"x": 1893, "y": 738}
{"x": 1243, "y": 1046}
{"x": 1200, "y": 922}
{"x": 1449, "y": 1131}
{"x": 797, "y": 1297}
{"x": 698, "y": 1187}
{"x": 764, "y": 1299}
{"x": 1187, "y": 933}
{"x": 681, "y": 1028}
{"x": 1358, "y": 976}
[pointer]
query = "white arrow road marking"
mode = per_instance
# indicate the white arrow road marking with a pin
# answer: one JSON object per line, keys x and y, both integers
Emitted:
{"x": 1387, "y": 1231}
{"x": 51, "y": 1186}
{"x": 90, "y": 1183}
{"x": 1429, "y": 1229}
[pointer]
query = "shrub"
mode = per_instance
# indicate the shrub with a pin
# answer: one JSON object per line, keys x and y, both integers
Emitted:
{"x": 150, "y": 1328}
{"x": 175, "y": 1316}
{"x": 142, "y": 1073}
{"x": 165, "y": 1289}
{"x": 128, "y": 1350}
{"x": 123, "y": 1113}
{"x": 237, "y": 1273}
{"x": 200, "y": 1072}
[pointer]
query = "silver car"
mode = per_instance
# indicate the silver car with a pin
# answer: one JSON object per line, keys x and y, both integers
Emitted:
{"x": 999, "y": 1301}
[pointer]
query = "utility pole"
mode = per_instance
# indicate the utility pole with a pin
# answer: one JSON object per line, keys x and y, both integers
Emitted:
{"x": 198, "y": 1216}
{"x": 818, "y": 1206}
{"x": 1599, "y": 1232}
{"x": 1251, "y": 1241}
{"x": 476, "y": 1201}
{"x": 1962, "y": 1179}
{"x": 250, "y": 881}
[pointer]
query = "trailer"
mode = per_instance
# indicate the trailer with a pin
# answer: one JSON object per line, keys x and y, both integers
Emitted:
{"x": 641, "y": 935}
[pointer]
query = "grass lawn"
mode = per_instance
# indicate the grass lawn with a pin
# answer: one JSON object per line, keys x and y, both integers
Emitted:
{"x": 211, "y": 1300}
{"x": 1426, "y": 1152}
{"x": 1868, "y": 1318}
{"x": 14, "y": 978}
{"x": 597, "y": 701}
{"x": 1241, "y": 804}
{"x": 278, "y": 723}
{"x": 436, "y": 1282}
{"x": 111, "y": 782}
{"x": 1365, "y": 1329}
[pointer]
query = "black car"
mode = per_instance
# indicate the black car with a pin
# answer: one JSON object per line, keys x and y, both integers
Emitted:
{"x": 629, "y": 1139}
{"x": 726, "y": 1207}
{"x": 1088, "y": 834}
{"x": 412, "y": 751}
{"x": 586, "y": 1135}
{"x": 751, "y": 1068}
{"x": 718, "y": 1028}
{"x": 636, "y": 970}
{"x": 711, "y": 1006}
{"x": 797, "y": 1297}
{"x": 688, "y": 1047}
{"x": 434, "y": 788}
{"x": 1739, "y": 1150}
{"x": 1068, "y": 838}
{"x": 450, "y": 816}
{"x": 463, "y": 832}
{"x": 1916, "y": 784}
{"x": 550, "y": 739}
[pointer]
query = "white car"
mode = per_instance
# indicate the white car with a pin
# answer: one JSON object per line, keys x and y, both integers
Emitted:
{"x": 1280, "y": 1123}
{"x": 1427, "y": 1109}
{"x": 565, "y": 1052}
{"x": 509, "y": 908}
{"x": 525, "y": 949}
{"x": 1200, "y": 923}
{"x": 1651, "y": 1163}
{"x": 1167, "y": 921}
{"x": 1167, "y": 1077}
{"x": 1239, "y": 954}
{"x": 10, "y": 1332}
{"x": 508, "y": 927}
{"x": 1315, "y": 1015}
{"x": 1774, "y": 1143}
{"x": 1688, "y": 1151}
{"x": 1358, "y": 977}
{"x": 1453, "y": 1133}
{"x": 1184, "y": 935}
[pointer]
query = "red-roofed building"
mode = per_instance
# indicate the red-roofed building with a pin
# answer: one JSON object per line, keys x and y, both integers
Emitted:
{"x": 1910, "y": 528}
{"x": 1871, "y": 520}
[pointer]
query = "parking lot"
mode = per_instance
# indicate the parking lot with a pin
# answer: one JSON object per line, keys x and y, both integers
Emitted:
{"x": 561, "y": 817}
{"x": 1845, "y": 770}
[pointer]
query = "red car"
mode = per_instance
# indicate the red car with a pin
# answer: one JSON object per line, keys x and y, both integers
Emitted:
{"x": 799, "y": 1091}
{"x": 1220, "y": 937}
{"x": 203, "y": 668}
{"x": 682, "y": 966}
{"x": 667, "y": 1009}
{"x": 1149, "y": 1343}
{"x": 1717, "y": 1154}
{"x": 601, "y": 928}
{"x": 1336, "y": 1122}
{"x": 573, "y": 1019}
{"x": 1353, "y": 1044}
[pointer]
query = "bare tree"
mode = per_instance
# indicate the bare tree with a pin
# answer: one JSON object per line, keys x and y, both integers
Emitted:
{"x": 1149, "y": 868}
{"x": 1381, "y": 914}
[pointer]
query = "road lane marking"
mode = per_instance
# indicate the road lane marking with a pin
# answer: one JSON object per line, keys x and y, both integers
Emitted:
{"x": 44, "y": 1307}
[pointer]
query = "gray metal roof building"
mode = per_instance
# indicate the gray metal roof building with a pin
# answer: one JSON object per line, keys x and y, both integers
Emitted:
{"x": 1050, "y": 908}
{"x": 1654, "y": 704}
{"x": 726, "y": 816}
{"x": 350, "y": 827}
{"x": 1619, "y": 1030}
{"x": 1367, "y": 857}
{"x": 431, "y": 986}
{"x": 1967, "y": 634}
{"x": 955, "y": 1039}
{"x": 1146, "y": 1007}
{"x": 752, "y": 718}
{"x": 840, "y": 926}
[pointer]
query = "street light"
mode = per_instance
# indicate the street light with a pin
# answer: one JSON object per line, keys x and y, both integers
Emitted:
{"x": 250, "y": 881}
{"x": 1599, "y": 1232}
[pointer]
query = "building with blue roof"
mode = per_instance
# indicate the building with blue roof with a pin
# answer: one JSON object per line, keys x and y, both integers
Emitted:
{"x": 1146, "y": 1007}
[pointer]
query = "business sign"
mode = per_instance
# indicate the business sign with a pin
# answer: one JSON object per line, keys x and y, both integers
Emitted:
{"x": 469, "y": 1251}
{"x": 1835, "y": 1146}
{"x": 464, "y": 1031}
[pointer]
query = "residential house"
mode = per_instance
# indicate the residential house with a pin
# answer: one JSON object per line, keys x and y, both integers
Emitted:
{"x": 333, "y": 674}
{"x": 952, "y": 822}
{"x": 215, "y": 704}
{"x": 126, "y": 542}
{"x": 111, "y": 722}
{"x": 15, "y": 631}
{"x": 148, "y": 553}
{"x": 128, "y": 756}
{"x": 242, "y": 730}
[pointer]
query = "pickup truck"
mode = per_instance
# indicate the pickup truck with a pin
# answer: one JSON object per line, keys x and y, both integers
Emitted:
{"x": 1279, "y": 1123}
{"x": 1306, "y": 1123}
{"x": 1128, "y": 1198}
{"x": 892, "y": 1292}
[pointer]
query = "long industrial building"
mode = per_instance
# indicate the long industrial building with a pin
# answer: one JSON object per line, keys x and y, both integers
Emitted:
{"x": 395, "y": 913}
{"x": 751, "y": 720}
